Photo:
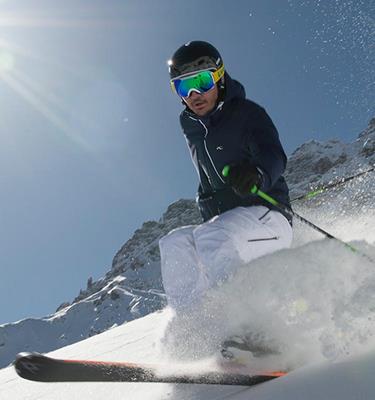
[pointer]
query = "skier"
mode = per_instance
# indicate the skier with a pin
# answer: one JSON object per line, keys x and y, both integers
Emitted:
{"x": 222, "y": 128}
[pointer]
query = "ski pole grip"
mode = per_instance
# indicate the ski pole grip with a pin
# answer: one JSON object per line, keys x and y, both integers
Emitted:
{"x": 225, "y": 171}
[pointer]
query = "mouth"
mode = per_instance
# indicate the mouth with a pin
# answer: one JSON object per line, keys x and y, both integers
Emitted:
{"x": 199, "y": 104}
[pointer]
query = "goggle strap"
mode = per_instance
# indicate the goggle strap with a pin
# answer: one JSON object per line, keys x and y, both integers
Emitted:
{"x": 172, "y": 86}
{"x": 218, "y": 74}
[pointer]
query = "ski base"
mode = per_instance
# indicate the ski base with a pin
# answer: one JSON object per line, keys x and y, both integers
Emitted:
{"x": 37, "y": 367}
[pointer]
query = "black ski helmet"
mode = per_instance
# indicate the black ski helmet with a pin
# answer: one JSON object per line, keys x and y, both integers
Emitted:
{"x": 194, "y": 56}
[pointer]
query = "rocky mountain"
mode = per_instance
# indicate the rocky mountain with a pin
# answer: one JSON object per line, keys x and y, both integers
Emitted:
{"x": 132, "y": 288}
{"x": 317, "y": 163}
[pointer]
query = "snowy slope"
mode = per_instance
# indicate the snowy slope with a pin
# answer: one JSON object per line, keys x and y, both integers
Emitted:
{"x": 348, "y": 380}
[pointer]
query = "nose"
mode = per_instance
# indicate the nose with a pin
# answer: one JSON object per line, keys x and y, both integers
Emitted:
{"x": 194, "y": 95}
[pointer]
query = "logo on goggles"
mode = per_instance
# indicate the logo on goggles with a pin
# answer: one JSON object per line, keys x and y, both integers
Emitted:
{"x": 200, "y": 82}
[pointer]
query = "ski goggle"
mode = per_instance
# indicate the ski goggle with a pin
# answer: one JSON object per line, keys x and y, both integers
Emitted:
{"x": 200, "y": 82}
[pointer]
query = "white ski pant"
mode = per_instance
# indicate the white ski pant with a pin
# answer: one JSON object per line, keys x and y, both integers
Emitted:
{"x": 195, "y": 258}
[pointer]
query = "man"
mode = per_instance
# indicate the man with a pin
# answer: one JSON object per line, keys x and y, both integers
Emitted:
{"x": 222, "y": 128}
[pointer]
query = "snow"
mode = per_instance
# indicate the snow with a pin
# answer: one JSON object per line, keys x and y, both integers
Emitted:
{"x": 137, "y": 341}
{"x": 309, "y": 304}
{"x": 89, "y": 316}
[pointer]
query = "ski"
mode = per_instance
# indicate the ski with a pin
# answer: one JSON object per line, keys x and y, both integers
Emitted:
{"x": 37, "y": 367}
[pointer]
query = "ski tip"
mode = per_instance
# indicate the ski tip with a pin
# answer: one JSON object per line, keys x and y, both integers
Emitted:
{"x": 27, "y": 356}
{"x": 26, "y": 364}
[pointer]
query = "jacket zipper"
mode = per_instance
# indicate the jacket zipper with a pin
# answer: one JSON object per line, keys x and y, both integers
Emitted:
{"x": 205, "y": 146}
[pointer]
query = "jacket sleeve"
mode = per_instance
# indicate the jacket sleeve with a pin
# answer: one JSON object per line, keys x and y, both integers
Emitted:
{"x": 264, "y": 149}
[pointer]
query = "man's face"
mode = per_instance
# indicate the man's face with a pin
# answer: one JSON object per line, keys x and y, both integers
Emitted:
{"x": 202, "y": 103}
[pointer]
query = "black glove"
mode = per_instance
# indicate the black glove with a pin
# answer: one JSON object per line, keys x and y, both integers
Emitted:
{"x": 242, "y": 177}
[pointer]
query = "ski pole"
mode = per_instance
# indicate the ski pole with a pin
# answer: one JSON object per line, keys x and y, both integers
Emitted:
{"x": 289, "y": 210}
{"x": 315, "y": 192}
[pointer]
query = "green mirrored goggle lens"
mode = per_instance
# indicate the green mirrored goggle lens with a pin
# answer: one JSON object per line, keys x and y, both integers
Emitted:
{"x": 201, "y": 82}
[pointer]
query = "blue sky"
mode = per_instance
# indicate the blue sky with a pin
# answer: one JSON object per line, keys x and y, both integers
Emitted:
{"x": 90, "y": 145}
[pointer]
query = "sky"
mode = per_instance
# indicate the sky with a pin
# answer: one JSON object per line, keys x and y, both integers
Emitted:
{"x": 90, "y": 143}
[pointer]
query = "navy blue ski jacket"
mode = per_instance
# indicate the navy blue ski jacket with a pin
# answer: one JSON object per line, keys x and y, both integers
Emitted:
{"x": 237, "y": 130}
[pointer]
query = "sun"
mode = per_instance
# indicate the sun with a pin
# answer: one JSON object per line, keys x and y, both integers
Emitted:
{"x": 14, "y": 71}
{"x": 43, "y": 80}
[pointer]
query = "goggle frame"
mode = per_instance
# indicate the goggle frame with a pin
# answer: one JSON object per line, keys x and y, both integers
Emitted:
{"x": 215, "y": 74}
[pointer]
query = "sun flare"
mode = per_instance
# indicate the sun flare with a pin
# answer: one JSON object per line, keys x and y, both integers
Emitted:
{"x": 16, "y": 73}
